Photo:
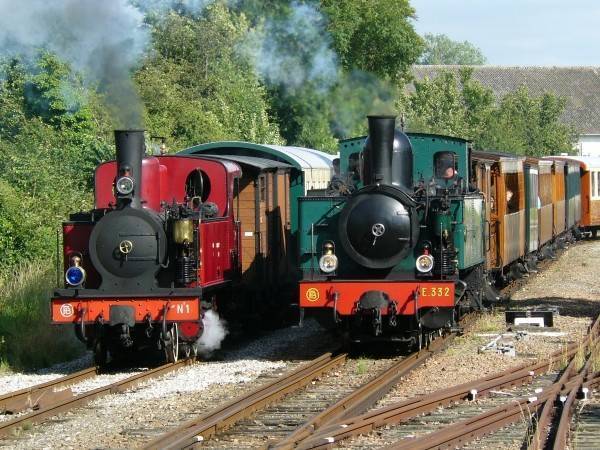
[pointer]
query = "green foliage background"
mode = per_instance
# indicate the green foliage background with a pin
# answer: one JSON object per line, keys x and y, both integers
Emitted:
{"x": 197, "y": 85}
{"x": 440, "y": 49}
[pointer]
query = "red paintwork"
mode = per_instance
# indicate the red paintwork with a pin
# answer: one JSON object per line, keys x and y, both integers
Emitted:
{"x": 190, "y": 329}
{"x": 68, "y": 310}
{"x": 76, "y": 237}
{"x": 163, "y": 180}
{"x": 321, "y": 294}
{"x": 217, "y": 240}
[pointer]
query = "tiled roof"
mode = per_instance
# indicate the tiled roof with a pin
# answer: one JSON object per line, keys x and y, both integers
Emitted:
{"x": 579, "y": 85}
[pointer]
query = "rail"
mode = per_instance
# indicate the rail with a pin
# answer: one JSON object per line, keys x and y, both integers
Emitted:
{"x": 40, "y": 394}
{"x": 66, "y": 404}
{"x": 364, "y": 397}
{"x": 199, "y": 429}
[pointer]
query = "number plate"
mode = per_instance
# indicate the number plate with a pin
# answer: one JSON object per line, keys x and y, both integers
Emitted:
{"x": 437, "y": 291}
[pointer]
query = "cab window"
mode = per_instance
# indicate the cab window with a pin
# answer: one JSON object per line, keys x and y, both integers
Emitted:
{"x": 445, "y": 164}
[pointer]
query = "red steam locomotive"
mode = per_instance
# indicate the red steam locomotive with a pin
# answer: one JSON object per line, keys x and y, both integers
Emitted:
{"x": 160, "y": 246}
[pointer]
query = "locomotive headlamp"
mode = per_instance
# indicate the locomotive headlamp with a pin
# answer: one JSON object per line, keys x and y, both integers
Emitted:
{"x": 125, "y": 185}
{"x": 328, "y": 262}
{"x": 424, "y": 263}
{"x": 75, "y": 275}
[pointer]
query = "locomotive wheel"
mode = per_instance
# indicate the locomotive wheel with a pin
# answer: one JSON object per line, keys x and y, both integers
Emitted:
{"x": 172, "y": 344}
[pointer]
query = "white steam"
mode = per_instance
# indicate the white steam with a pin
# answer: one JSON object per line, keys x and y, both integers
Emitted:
{"x": 293, "y": 50}
{"x": 102, "y": 39}
{"x": 214, "y": 332}
{"x": 286, "y": 49}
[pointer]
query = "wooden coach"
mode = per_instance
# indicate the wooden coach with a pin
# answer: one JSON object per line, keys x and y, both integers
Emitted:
{"x": 590, "y": 194}
{"x": 501, "y": 179}
{"x": 558, "y": 196}
{"x": 546, "y": 211}
{"x": 583, "y": 198}
{"x": 262, "y": 205}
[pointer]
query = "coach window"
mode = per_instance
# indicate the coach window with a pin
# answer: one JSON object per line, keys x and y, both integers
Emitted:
{"x": 445, "y": 165}
{"x": 262, "y": 185}
{"x": 545, "y": 186}
{"x": 512, "y": 192}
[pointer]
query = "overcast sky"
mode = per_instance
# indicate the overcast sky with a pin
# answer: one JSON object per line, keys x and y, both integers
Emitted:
{"x": 519, "y": 32}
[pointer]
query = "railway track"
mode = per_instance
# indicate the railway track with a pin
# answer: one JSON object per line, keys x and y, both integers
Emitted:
{"x": 62, "y": 401}
{"x": 224, "y": 416}
{"x": 537, "y": 397}
{"x": 323, "y": 403}
{"x": 35, "y": 397}
{"x": 586, "y": 427}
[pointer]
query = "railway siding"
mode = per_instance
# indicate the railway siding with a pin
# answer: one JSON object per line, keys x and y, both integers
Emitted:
{"x": 570, "y": 282}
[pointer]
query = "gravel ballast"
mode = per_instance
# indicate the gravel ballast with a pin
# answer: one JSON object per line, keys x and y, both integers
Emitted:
{"x": 129, "y": 419}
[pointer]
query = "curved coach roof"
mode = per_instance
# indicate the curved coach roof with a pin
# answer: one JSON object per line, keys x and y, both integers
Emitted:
{"x": 299, "y": 157}
{"x": 252, "y": 161}
{"x": 316, "y": 166}
{"x": 587, "y": 162}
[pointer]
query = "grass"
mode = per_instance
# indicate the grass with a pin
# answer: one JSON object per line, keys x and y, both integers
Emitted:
{"x": 27, "y": 340}
{"x": 529, "y": 420}
{"x": 580, "y": 357}
{"x": 488, "y": 322}
{"x": 595, "y": 359}
{"x": 361, "y": 366}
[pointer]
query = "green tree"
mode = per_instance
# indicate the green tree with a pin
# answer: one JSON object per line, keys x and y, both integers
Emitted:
{"x": 460, "y": 106}
{"x": 374, "y": 36}
{"x": 529, "y": 125}
{"x": 195, "y": 86}
{"x": 450, "y": 105}
{"x": 440, "y": 49}
{"x": 375, "y": 44}
{"x": 52, "y": 135}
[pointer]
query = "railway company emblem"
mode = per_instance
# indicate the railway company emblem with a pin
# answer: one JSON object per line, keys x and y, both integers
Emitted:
{"x": 312, "y": 294}
{"x": 125, "y": 247}
{"x": 66, "y": 310}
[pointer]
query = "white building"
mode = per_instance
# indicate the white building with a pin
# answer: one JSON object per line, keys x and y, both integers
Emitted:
{"x": 580, "y": 86}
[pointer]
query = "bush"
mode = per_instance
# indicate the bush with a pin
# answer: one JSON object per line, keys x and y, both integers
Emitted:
{"x": 27, "y": 340}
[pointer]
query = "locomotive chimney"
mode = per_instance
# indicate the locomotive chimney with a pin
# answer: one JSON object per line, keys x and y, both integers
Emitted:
{"x": 379, "y": 150}
{"x": 130, "y": 153}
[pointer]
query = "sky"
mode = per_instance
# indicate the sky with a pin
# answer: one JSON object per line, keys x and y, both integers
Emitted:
{"x": 518, "y": 32}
